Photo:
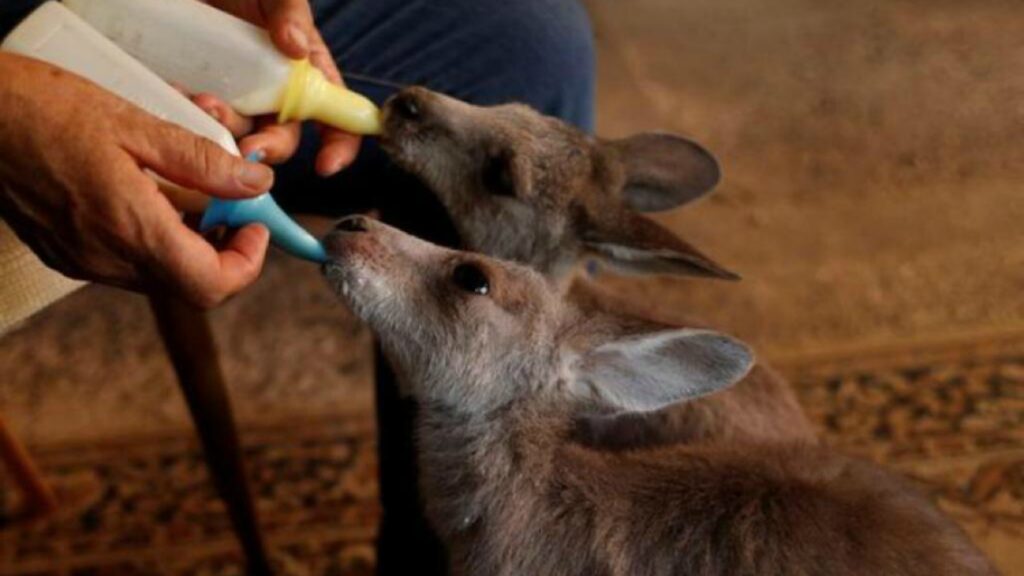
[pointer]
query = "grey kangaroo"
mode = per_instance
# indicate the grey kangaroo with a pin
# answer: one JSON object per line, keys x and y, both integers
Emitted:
{"x": 532, "y": 189}
{"x": 509, "y": 374}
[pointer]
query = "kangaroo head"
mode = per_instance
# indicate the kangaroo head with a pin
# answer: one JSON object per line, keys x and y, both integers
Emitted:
{"x": 529, "y": 188}
{"x": 474, "y": 334}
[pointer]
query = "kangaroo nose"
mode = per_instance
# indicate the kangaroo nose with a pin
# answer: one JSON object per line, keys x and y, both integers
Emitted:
{"x": 407, "y": 106}
{"x": 353, "y": 224}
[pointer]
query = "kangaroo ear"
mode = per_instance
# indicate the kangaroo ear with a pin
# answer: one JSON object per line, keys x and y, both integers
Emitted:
{"x": 646, "y": 372}
{"x": 633, "y": 244}
{"x": 664, "y": 171}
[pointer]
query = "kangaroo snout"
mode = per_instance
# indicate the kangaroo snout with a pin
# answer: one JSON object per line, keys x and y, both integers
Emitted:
{"x": 365, "y": 261}
{"x": 357, "y": 242}
{"x": 362, "y": 246}
{"x": 407, "y": 112}
{"x": 353, "y": 224}
{"x": 406, "y": 105}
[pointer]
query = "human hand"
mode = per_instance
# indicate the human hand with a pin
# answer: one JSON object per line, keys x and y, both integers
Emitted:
{"x": 291, "y": 26}
{"x": 73, "y": 186}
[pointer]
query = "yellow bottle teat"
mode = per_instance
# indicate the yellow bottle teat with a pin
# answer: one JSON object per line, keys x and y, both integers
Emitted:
{"x": 310, "y": 96}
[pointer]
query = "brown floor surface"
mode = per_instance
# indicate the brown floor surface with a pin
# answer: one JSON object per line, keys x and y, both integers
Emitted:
{"x": 871, "y": 153}
{"x": 871, "y": 201}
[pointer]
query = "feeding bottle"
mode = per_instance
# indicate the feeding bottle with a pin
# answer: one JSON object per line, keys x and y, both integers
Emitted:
{"x": 55, "y": 35}
{"x": 205, "y": 50}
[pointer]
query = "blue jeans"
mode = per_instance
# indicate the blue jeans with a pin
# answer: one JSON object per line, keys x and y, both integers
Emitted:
{"x": 484, "y": 51}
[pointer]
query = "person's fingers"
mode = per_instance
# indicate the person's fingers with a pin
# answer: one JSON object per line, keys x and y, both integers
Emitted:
{"x": 291, "y": 26}
{"x": 321, "y": 58}
{"x": 160, "y": 250}
{"x": 337, "y": 151}
{"x": 239, "y": 264}
{"x": 191, "y": 267}
{"x": 220, "y": 111}
{"x": 277, "y": 142}
{"x": 196, "y": 163}
{"x": 243, "y": 256}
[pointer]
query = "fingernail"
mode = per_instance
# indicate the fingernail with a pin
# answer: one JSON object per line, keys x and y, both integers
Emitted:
{"x": 331, "y": 169}
{"x": 263, "y": 231}
{"x": 298, "y": 37}
{"x": 255, "y": 176}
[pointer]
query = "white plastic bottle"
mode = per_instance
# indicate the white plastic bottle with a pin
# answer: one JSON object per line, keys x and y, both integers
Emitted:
{"x": 203, "y": 49}
{"x": 56, "y": 35}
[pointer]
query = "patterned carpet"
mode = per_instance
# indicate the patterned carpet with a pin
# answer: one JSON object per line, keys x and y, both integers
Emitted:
{"x": 950, "y": 415}
{"x": 146, "y": 507}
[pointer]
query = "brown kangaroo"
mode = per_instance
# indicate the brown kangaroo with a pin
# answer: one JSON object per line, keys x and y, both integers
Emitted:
{"x": 529, "y": 188}
{"x": 510, "y": 376}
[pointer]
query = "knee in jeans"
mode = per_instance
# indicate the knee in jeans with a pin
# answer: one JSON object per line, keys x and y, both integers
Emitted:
{"x": 548, "y": 54}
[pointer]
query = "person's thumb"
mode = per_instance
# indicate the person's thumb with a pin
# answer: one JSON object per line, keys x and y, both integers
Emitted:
{"x": 196, "y": 163}
{"x": 189, "y": 266}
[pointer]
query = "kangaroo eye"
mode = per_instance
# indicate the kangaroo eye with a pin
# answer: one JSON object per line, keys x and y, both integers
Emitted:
{"x": 469, "y": 278}
{"x": 497, "y": 175}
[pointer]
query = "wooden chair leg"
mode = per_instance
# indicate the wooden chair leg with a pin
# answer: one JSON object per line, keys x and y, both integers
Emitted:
{"x": 38, "y": 498}
{"x": 406, "y": 543}
{"x": 189, "y": 341}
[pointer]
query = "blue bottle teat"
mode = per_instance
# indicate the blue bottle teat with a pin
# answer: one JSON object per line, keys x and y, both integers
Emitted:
{"x": 285, "y": 233}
